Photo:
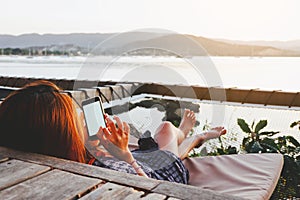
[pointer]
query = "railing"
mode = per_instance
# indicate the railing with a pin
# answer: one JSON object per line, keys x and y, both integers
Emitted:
{"x": 110, "y": 90}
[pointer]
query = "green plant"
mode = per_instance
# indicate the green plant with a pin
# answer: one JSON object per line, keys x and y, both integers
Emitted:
{"x": 258, "y": 141}
{"x": 223, "y": 149}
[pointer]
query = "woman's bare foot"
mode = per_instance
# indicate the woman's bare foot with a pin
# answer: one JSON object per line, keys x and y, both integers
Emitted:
{"x": 188, "y": 122}
{"x": 197, "y": 140}
{"x": 214, "y": 133}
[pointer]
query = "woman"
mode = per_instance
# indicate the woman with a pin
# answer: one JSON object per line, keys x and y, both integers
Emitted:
{"x": 39, "y": 118}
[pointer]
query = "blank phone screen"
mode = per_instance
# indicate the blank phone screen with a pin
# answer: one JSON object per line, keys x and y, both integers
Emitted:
{"x": 93, "y": 117}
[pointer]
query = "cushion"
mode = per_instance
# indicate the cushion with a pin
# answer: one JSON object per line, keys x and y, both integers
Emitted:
{"x": 251, "y": 176}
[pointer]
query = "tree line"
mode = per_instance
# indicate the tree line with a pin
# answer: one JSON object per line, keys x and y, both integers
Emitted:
{"x": 33, "y": 52}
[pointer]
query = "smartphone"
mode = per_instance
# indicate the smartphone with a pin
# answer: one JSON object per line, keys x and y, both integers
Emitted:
{"x": 94, "y": 116}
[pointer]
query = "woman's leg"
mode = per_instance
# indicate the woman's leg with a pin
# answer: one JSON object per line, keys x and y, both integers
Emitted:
{"x": 169, "y": 137}
{"x": 175, "y": 139}
{"x": 197, "y": 140}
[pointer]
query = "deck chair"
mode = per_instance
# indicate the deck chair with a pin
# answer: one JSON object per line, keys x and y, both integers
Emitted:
{"x": 250, "y": 176}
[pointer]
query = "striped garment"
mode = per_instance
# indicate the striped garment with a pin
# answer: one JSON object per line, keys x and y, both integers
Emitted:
{"x": 157, "y": 164}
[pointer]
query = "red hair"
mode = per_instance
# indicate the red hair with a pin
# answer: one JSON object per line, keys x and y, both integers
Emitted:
{"x": 38, "y": 118}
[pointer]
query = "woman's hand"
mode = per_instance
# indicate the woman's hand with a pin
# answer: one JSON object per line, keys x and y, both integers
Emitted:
{"x": 115, "y": 139}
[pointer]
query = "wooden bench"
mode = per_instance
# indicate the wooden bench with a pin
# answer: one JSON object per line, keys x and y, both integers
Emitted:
{"x": 34, "y": 176}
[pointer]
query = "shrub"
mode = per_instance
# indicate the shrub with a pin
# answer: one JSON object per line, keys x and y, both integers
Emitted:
{"x": 258, "y": 141}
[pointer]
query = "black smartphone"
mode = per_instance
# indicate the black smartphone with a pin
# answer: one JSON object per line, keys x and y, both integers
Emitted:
{"x": 94, "y": 116}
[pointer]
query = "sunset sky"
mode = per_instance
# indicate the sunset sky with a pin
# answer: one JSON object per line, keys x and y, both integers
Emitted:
{"x": 230, "y": 19}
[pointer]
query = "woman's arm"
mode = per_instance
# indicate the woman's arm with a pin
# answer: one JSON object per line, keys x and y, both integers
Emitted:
{"x": 138, "y": 168}
{"x": 115, "y": 141}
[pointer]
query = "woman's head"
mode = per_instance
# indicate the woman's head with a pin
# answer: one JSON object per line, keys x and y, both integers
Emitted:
{"x": 38, "y": 118}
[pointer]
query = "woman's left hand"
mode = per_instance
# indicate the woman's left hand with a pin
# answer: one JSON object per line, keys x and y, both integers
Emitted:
{"x": 115, "y": 139}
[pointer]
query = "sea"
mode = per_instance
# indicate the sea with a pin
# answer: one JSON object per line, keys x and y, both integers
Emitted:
{"x": 262, "y": 73}
{"x": 266, "y": 73}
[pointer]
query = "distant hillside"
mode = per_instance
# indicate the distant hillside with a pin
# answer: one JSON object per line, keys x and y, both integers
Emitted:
{"x": 235, "y": 49}
{"x": 132, "y": 40}
{"x": 30, "y": 40}
{"x": 292, "y": 45}
{"x": 184, "y": 46}
{"x": 78, "y": 39}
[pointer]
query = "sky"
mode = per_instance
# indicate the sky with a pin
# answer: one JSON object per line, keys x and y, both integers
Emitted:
{"x": 223, "y": 19}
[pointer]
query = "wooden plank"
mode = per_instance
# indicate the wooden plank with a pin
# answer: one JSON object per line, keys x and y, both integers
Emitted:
{"x": 150, "y": 185}
{"x": 105, "y": 93}
{"x": 190, "y": 192}
{"x": 120, "y": 192}
{"x": 16, "y": 171}
{"x": 116, "y": 91}
{"x": 55, "y": 184}
{"x": 91, "y": 92}
{"x": 154, "y": 196}
{"x": 126, "y": 89}
{"x": 252, "y": 96}
{"x": 111, "y": 191}
{"x": 79, "y": 168}
{"x": 141, "y": 196}
{"x": 78, "y": 95}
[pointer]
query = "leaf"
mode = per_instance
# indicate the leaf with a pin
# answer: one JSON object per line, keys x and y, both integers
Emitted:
{"x": 292, "y": 140}
{"x": 281, "y": 140}
{"x": 252, "y": 125}
{"x": 248, "y": 146}
{"x": 203, "y": 151}
{"x": 256, "y": 148}
{"x": 294, "y": 124}
{"x": 269, "y": 133}
{"x": 270, "y": 149}
{"x": 220, "y": 151}
{"x": 246, "y": 141}
{"x": 291, "y": 149}
{"x": 244, "y": 126}
{"x": 269, "y": 143}
{"x": 297, "y": 151}
{"x": 232, "y": 150}
{"x": 260, "y": 125}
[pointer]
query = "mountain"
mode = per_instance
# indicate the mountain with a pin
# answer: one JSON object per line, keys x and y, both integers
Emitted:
{"x": 193, "y": 45}
{"x": 292, "y": 45}
{"x": 143, "y": 43}
{"x": 30, "y": 40}
{"x": 79, "y": 39}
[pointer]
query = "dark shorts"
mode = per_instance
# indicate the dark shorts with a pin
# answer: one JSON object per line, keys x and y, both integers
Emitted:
{"x": 157, "y": 164}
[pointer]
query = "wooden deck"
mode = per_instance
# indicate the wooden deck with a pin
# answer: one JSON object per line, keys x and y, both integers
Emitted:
{"x": 33, "y": 176}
